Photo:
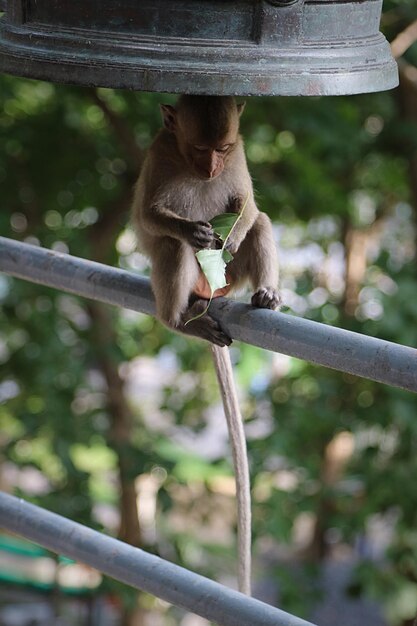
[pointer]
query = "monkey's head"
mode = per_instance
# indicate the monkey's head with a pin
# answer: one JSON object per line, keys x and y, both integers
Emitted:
{"x": 206, "y": 129}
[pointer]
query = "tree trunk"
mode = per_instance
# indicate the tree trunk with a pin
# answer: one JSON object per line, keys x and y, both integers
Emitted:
{"x": 356, "y": 244}
{"x": 102, "y": 239}
{"x": 408, "y": 99}
{"x": 121, "y": 433}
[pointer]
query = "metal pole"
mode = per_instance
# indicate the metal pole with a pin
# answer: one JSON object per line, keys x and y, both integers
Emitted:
{"x": 79, "y": 276}
{"x": 339, "y": 349}
{"x": 138, "y": 568}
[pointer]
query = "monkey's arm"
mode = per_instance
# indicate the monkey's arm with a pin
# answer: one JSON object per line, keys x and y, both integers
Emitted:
{"x": 245, "y": 205}
{"x": 160, "y": 221}
{"x": 241, "y": 199}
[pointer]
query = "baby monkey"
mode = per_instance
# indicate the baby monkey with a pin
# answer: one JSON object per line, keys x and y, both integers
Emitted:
{"x": 196, "y": 169}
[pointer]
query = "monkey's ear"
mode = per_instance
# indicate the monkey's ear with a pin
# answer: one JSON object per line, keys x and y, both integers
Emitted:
{"x": 169, "y": 117}
{"x": 240, "y": 108}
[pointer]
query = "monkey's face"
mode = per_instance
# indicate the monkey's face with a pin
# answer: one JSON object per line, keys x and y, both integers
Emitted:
{"x": 207, "y": 161}
{"x": 205, "y": 156}
{"x": 205, "y": 132}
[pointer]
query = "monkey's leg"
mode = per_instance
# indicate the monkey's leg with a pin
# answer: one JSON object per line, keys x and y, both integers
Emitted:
{"x": 174, "y": 273}
{"x": 257, "y": 260}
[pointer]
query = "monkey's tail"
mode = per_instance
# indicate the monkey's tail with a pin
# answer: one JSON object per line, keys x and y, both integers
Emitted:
{"x": 224, "y": 371}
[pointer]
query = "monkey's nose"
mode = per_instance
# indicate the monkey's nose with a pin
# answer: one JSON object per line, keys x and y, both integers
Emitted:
{"x": 208, "y": 173}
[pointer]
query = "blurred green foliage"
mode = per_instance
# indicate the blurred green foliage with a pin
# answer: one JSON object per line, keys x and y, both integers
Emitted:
{"x": 322, "y": 168}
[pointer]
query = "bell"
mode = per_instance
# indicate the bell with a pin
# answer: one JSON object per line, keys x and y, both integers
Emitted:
{"x": 236, "y": 47}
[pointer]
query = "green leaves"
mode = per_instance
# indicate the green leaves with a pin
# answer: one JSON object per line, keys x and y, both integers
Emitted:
{"x": 213, "y": 262}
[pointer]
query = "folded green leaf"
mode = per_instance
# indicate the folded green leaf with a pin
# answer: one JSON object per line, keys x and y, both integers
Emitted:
{"x": 213, "y": 264}
{"x": 223, "y": 224}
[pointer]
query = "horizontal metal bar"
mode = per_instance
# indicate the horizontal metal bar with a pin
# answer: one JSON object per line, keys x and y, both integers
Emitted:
{"x": 138, "y": 568}
{"x": 339, "y": 349}
{"x": 79, "y": 276}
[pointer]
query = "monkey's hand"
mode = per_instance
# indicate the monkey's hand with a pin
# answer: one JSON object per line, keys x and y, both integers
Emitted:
{"x": 199, "y": 234}
{"x": 232, "y": 246}
{"x": 235, "y": 204}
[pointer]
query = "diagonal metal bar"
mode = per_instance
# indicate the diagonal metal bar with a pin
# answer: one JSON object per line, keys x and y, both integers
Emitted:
{"x": 346, "y": 351}
{"x": 138, "y": 568}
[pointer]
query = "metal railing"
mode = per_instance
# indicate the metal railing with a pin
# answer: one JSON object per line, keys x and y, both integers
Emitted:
{"x": 138, "y": 568}
{"x": 346, "y": 351}
{"x": 343, "y": 350}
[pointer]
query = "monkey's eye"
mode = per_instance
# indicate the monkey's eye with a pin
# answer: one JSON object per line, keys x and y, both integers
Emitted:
{"x": 223, "y": 149}
{"x": 200, "y": 148}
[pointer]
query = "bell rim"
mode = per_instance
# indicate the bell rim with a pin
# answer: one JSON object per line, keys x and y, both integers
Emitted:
{"x": 291, "y": 71}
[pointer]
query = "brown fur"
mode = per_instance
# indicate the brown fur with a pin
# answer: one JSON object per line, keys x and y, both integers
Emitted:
{"x": 196, "y": 169}
{"x": 218, "y": 114}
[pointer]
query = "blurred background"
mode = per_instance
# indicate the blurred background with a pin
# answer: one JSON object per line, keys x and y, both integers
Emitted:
{"x": 111, "y": 420}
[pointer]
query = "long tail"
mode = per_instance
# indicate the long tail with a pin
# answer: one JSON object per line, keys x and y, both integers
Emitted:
{"x": 224, "y": 371}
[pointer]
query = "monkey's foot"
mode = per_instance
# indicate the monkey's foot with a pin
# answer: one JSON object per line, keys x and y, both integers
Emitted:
{"x": 204, "y": 327}
{"x": 266, "y": 298}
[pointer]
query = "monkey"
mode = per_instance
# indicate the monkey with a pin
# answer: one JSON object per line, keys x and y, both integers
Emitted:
{"x": 194, "y": 170}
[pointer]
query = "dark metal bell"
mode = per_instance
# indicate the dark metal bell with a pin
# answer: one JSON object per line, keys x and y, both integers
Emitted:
{"x": 240, "y": 47}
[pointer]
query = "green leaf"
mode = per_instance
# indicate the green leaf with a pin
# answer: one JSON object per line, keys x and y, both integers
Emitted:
{"x": 223, "y": 224}
{"x": 213, "y": 264}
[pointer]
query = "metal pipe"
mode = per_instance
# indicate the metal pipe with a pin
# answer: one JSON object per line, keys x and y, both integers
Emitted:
{"x": 346, "y": 351}
{"x": 79, "y": 276}
{"x": 138, "y": 568}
